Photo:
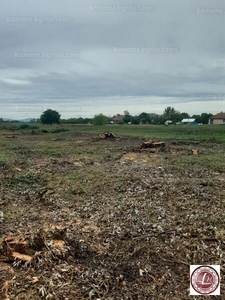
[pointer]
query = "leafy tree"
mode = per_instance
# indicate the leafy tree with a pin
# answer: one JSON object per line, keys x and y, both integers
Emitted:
{"x": 185, "y": 115}
{"x": 100, "y": 119}
{"x": 168, "y": 112}
{"x": 127, "y": 117}
{"x": 197, "y": 118}
{"x": 174, "y": 115}
{"x": 205, "y": 118}
{"x": 159, "y": 119}
{"x": 50, "y": 117}
{"x": 135, "y": 120}
{"x": 144, "y": 118}
{"x": 1, "y": 120}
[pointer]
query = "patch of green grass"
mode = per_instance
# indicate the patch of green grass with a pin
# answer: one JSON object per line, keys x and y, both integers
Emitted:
{"x": 10, "y": 214}
{"x": 108, "y": 155}
{"x": 58, "y": 130}
{"x": 73, "y": 177}
{"x": 47, "y": 151}
{"x": 26, "y": 126}
{"x": 209, "y": 161}
{"x": 4, "y": 162}
{"x": 25, "y": 179}
{"x": 90, "y": 152}
{"x": 3, "y": 156}
{"x": 207, "y": 134}
{"x": 78, "y": 152}
{"x": 78, "y": 189}
{"x": 44, "y": 131}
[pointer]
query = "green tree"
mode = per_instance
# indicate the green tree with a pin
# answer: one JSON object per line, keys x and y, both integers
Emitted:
{"x": 185, "y": 115}
{"x": 135, "y": 120}
{"x": 168, "y": 112}
{"x": 50, "y": 117}
{"x": 144, "y": 118}
{"x": 127, "y": 117}
{"x": 100, "y": 119}
{"x": 197, "y": 118}
{"x": 205, "y": 118}
{"x": 174, "y": 115}
{"x": 159, "y": 119}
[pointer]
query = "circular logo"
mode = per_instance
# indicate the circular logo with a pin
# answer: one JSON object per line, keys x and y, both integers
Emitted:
{"x": 205, "y": 280}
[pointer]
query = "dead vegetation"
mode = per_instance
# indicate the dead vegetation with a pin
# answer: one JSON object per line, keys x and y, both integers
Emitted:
{"x": 98, "y": 220}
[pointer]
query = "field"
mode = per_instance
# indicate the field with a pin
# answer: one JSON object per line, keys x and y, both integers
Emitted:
{"x": 85, "y": 218}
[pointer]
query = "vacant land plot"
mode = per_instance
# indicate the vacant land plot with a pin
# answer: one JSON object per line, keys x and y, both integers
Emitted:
{"x": 88, "y": 218}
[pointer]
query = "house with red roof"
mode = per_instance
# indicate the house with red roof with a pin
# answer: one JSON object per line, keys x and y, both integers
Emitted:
{"x": 118, "y": 119}
{"x": 218, "y": 118}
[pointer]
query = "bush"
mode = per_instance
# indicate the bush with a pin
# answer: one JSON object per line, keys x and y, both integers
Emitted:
{"x": 26, "y": 126}
{"x": 58, "y": 130}
{"x": 100, "y": 119}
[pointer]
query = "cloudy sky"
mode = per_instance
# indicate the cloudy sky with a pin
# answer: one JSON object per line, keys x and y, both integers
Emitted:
{"x": 84, "y": 57}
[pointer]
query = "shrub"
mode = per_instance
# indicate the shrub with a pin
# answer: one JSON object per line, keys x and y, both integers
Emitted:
{"x": 100, "y": 119}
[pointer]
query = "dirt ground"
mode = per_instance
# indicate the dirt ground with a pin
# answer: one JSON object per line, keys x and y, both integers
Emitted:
{"x": 84, "y": 218}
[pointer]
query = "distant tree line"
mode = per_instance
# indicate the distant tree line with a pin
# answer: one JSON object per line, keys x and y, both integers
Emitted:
{"x": 170, "y": 114}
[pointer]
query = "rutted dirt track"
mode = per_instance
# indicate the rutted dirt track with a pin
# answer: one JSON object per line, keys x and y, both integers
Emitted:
{"x": 85, "y": 218}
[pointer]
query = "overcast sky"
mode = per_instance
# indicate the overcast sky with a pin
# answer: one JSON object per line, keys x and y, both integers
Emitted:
{"x": 84, "y": 57}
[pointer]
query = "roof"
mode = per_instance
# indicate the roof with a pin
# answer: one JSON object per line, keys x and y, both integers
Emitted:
{"x": 118, "y": 117}
{"x": 188, "y": 120}
{"x": 220, "y": 115}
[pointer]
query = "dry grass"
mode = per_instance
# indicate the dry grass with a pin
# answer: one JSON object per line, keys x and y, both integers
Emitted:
{"x": 105, "y": 220}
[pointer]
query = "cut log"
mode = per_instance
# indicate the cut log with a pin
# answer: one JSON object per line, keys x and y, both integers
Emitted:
{"x": 11, "y": 137}
{"x": 150, "y": 144}
{"x": 59, "y": 243}
{"x": 154, "y": 150}
{"x": 158, "y": 144}
{"x": 24, "y": 257}
{"x": 146, "y": 144}
{"x": 107, "y": 135}
{"x": 194, "y": 151}
{"x": 102, "y": 136}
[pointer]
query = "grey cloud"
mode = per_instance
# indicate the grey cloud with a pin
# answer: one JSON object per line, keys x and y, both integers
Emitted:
{"x": 100, "y": 78}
